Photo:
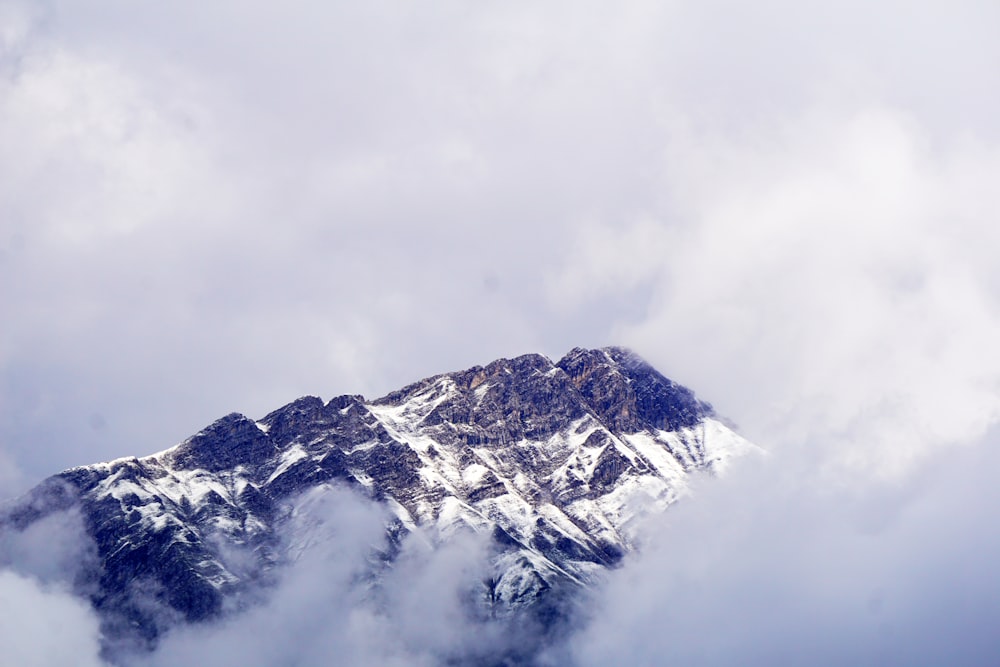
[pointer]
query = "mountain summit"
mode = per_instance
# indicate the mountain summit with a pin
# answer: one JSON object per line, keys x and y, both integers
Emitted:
{"x": 555, "y": 462}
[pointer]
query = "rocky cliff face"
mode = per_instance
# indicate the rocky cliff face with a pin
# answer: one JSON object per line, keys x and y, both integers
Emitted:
{"x": 555, "y": 461}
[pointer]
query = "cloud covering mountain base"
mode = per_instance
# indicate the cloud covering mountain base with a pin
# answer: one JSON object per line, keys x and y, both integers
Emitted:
{"x": 770, "y": 566}
{"x": 340, "y": 600}
{"x": 762, "y": 566}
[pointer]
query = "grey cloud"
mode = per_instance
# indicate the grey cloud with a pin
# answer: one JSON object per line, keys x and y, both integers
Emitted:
{"x": 209, "y": 209}
{"x": 44, "y": 621}
{"x": 53, "y": 550}
{"x": 42, "y": 626}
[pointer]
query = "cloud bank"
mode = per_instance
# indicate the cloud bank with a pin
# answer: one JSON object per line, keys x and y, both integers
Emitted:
{"x": 761, "y": 569}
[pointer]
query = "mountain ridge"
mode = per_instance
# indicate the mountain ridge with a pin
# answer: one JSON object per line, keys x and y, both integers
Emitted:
{"x": 556, "y": 461}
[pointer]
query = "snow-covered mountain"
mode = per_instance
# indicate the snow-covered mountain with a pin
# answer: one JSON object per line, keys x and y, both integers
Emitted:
{"x": 556, "y": 462}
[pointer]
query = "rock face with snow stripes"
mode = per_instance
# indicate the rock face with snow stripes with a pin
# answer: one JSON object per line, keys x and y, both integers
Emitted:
{"x": 555, "y": 461}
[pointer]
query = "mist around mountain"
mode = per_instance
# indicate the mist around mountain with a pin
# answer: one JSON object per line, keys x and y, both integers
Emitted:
{"x": 774, "y": 562}
{"x": 461, "y": 519}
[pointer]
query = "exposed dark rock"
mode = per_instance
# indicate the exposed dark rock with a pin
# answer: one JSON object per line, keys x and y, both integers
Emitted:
{"x": 610, "y": 466}
{"x": 628, "y": 394}
{"x": 231, "y": 441}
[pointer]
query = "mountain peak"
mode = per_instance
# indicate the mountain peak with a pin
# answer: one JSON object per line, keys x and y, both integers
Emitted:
{"x": 230, "y": 441}
{"x": 630, "y": 395}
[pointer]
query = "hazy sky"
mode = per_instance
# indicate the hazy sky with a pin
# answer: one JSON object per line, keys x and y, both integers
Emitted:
{"x": 220, "y": 207}
{"x": 789, "y": 206}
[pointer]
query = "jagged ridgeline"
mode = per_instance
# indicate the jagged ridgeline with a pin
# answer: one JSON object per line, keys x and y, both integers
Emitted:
{"x": 556, "y": 462}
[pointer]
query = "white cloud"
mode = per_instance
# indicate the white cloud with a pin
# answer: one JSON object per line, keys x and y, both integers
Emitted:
{"x": 53, "y": 550}
{"x": 45, "y": 618}
{"x": 42, "y": 626}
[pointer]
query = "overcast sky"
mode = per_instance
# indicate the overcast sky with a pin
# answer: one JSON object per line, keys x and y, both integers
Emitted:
{"x": 220, "y": 207}
{"x": 790, "y": 207}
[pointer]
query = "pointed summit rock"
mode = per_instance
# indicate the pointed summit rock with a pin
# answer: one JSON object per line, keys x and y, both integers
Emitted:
{"x": 628, "y": 394}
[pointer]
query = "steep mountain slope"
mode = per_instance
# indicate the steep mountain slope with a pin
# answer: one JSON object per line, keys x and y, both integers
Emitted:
{"x": 556, "y": 461}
